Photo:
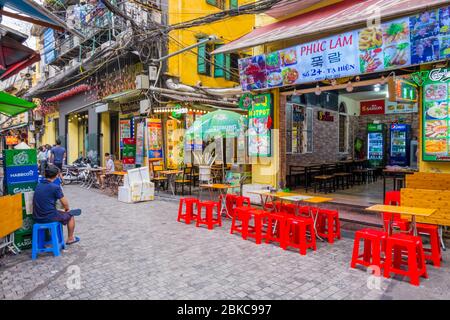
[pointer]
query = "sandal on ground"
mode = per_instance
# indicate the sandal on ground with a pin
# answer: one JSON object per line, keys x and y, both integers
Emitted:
{"x": 77, "y": 239}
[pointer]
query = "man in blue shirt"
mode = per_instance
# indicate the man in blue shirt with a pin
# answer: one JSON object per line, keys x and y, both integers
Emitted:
{"x": 45, "y": 198}
{"x": 58, "y": 155}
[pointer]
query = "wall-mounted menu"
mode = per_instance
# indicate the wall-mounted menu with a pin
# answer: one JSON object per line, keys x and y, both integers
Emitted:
{"x": 436, "y": 137}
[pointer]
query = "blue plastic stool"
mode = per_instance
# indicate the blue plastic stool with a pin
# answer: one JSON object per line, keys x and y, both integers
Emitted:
{"x": 38, "y": 242}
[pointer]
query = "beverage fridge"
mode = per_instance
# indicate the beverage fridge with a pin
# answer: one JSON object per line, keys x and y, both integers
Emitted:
{"x": 400, "y": 144}
{"x": 375, "y": 144}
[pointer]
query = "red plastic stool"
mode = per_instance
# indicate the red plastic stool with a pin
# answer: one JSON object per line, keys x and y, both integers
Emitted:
{"x": 432, "y": 253}
{"x": 275, "y": 234}
{"x": 328, "y": 225}
{"x": 288, "y": 208}
{"x": 270, "y": 206}
{"x": 209, "y": 210}
{"x": 399, "y": 244}
{"x": 307, "y": 211}
{"x": 393, "y": 198}
{"x": 295, "y": 234}
{"x": 188, "y": 214}
{"x": 240, "y": 214}
{"x": 256, "y": 230}
{"x": 230, "y": 200}
{"x": 374, "y": 243}
{"x": 241, "y": 201}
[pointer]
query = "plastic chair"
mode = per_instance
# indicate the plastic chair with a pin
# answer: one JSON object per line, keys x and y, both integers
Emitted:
{"x": 38, "y": 239}
{"x": 393, "y": 198}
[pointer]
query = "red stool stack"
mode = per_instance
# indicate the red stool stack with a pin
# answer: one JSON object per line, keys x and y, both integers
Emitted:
{"x": 295, "y": 234}
{"x": 270, "y": 206}
{"x": 328, "y": 225}
{"x": 230, "y": 200}
{"x": 399, "y": 244}
{"x": 288, "y": 208}
{"x": 209, "y": 219}
{"x": 374, "y": 242}
{"x": 275, "y": 234}
{"x": 433, "y": 253}
{"x": 240, "y": 214}
{"x": 188, "y": 214}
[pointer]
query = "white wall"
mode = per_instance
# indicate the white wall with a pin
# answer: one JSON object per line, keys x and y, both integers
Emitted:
{"x": 352, "y": 105}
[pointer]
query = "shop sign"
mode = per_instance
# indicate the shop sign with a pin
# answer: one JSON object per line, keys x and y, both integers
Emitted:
{"x": 325, "y": 116}
{"x": 396, "y": 108}
{"x": 414, "y": 40}
{"x": 245, "y": 101}
{"x": 405, "y": 91}
{"x": 436, "y": 120}
{"x": 11, "y": 140}
{"x": 439, "y": 75}
{"x": 372, "y": 107}
{"x": 259, "y": 126}
{"x": 21, "y": 187}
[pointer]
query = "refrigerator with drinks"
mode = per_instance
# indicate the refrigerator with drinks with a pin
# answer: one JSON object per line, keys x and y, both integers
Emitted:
{"x": 399, "y": 144}
{"x": 375, "y": 144}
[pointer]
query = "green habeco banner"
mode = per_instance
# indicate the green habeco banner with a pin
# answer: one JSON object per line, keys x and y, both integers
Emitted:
{"x": 16, "y": 158}
{"x": 260, "y": 125}
{"x": 436, "y": 119}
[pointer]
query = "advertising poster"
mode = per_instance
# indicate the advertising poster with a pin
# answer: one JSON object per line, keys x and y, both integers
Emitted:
{"x": 140, "y": 143}
{"x": 155, "y": 141}
{"x": 252, "y": 72}
{"x": 175, "y": 144}
{"x": 436, "y": 139}
{"x": 403, "y": 42}
{"x": 125, "y": 130}
{"x": 129, "y": 153}
{"x": 259, "y": 126}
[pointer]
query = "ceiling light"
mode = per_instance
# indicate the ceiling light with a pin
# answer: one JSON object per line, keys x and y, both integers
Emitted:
{"x": 376, "y": 88}
{"x": 349, "y": 87}
{"x": 318, "y": 91}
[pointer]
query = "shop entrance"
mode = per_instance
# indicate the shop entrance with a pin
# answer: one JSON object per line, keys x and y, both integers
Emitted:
{"x": 352, "y": 130}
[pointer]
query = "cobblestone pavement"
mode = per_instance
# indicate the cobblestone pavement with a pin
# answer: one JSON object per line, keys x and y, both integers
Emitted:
{"x": 139, "y": 251}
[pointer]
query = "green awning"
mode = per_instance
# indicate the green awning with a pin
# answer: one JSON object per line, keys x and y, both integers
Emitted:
{"x": 11, "y": 106}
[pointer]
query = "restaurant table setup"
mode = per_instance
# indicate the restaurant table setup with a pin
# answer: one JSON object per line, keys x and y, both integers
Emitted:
{"x": 401, "y": 252}
{"x": 171, "y": 176}
{"x": 291, "y": 224}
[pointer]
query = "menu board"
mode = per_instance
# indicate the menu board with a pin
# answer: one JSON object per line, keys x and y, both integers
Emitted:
{"x": 259, "y": 126}
{"x": 436, "y": 139}
{"x": 155, "y": 140}
{"x": 175, "y": 144}
{"x": 140, "y": 143}
{"x": 403, "y": 42}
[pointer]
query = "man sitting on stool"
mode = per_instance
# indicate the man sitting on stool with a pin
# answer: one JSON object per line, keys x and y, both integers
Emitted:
{"x": 45, "y": 198}
{"x": 109, "y": 169}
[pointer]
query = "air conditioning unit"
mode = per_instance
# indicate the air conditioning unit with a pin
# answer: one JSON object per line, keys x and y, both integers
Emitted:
{"x": 144, "y": 106}
{"x": 152, "y": 72}
{"x": 142, "y": 82}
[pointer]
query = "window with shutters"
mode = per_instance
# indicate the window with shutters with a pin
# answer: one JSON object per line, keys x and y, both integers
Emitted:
{"x": 232, "y": 67}
{"x": 234, "y": 4}
{"x": 217, "y": 3}
{"x": 219, "y": 64}
{"x": 204, "y": 59}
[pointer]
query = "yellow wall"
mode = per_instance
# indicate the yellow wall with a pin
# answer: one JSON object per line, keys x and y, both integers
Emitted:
{"x": 184, "y": 65}
{"x": 72, "y": 140}
{"x": 49, "y": 129}
{"x": 106, "y": 138}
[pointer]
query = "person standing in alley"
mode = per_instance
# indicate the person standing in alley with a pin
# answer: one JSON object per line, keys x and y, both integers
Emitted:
{"x": 42, "y": 159}
{"x": 58, "y": 155}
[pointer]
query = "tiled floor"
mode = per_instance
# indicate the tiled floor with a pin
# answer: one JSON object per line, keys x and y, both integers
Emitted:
{"x": 139, "y": 251}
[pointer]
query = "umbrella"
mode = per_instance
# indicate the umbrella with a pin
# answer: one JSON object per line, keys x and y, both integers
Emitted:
{"x": 12, "y": 106}
{"x": 217, "y": 124}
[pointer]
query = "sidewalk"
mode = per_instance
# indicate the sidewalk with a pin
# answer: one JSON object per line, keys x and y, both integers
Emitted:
{"x": 139, "y": 251}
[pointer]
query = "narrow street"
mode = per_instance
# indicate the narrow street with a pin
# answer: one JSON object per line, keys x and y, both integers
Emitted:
{"x": 140, "y": 251}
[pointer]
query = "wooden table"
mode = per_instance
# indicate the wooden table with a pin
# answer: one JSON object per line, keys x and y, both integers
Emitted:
{"x": 298, "y": 198}
{"x": 394, "y": 174}
{"x": 171, "y": 175}
{"x": 222, "y": 189}
{"x": 410, "y": 211}
{"x": 117, "y": 180}
{"x": 267, "y": 196}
